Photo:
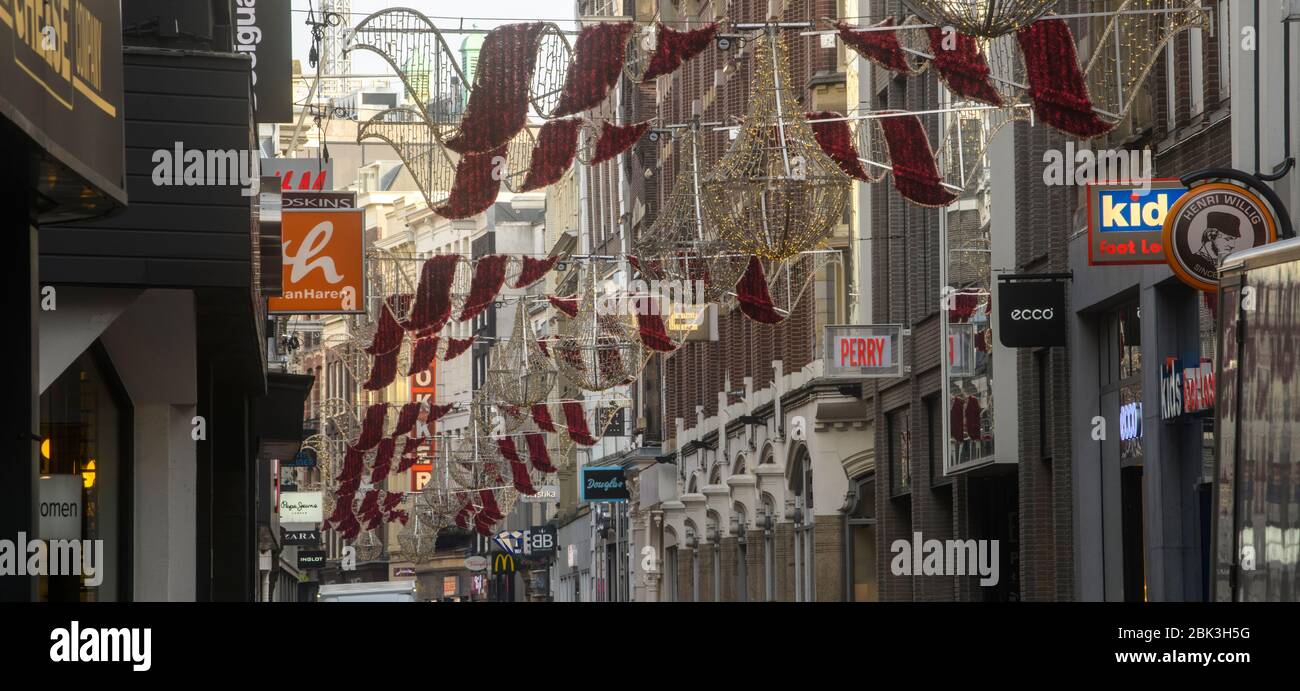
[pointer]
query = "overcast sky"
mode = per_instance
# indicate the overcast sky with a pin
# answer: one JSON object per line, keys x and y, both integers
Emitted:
{"x": 482, "y": 14}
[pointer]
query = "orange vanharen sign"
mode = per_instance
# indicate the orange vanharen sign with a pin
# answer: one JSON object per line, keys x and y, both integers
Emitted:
{"x": 324, "y": 265}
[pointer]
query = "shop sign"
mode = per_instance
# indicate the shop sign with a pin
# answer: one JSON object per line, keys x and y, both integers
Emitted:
{"x": 864, "y": 351}
{"x": 300, "y": 507}
{"x": 1130, "y": 421}
{"x": 403, "y": 572}
{"x": 1209, "y": 223}
{"x": 546, "y": 494}
{"x": 1184, "y": 391}
{"x": 323, "y": 263}
{"x": 59, "y": 510}
{"x": 61, "y": 77}
{"x": 327, "y": 201}
{"x": 603, "y": 484}
{"x": 476, "y": 562}
{"x": 311, "y": 559}
{"x": 300, "y": 174}
{"x": 424, "y": 387}
{"x": 1126, "y": 221}
{"x": 300, "y": 538}
{"x": 262, "y": 32}
{"x": 502, "y": 563}
{"x": 540, "y": 541}
{"x": 1031, "y": 311}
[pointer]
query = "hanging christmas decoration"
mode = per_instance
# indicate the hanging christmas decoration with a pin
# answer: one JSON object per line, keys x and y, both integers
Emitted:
{"x": 614, "y": 140}
{"x": 427, "y": 66}
{"x": 672, "y": 48}
{"x": 987, "y": 18}
{"x": 498, "y": 102}
{"x": 599, "y": 347}
{"x": 478, "y": 181}
{"x": 880, "y": 47}
{"x": 567, "y": 305}
{"x": 598, "y": 61}
{"x": 963, "y": 67}
{"x": 489, "y": 276}
{"x": 916, "y": 174}
{"x": 520, "y": 374}
{"x": 557, "y": 144}
{"x": 682, "y": 244}
{"x": 532, "y": 270}
{"x": 1056, "y": 82}
{"x": 835, "y": 137}
{"x": 775, "y": 193}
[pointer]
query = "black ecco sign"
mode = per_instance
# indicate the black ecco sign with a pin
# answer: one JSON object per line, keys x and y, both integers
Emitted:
{"x": 1031, "y": 311}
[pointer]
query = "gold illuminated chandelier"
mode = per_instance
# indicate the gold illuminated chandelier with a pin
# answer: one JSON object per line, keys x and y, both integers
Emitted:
{"x": 681, "y": 245}
{"x": 775, "y": 193}
{"x": 987, "y": 18}
{"x": 520, "y": 373}
{"x": 599, "y": 348}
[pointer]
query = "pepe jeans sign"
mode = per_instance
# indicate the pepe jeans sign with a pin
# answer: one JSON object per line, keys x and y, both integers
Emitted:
{"x": 603, "y": 484}
{"x": 300, "y": 507}
{"x": 1184, "y": 391}
{"x": 1031, "y": 312}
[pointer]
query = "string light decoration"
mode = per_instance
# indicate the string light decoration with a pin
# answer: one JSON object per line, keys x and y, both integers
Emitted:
{"x": 987, "y": 18}
{"x": 682, "y": 245}
{"x": 599, "y": 348}
{"x": 775, "y": 193}
{"x": 368, "y": 544}
{"x": 418, "y": 541}
{"x": 520, "y": 374}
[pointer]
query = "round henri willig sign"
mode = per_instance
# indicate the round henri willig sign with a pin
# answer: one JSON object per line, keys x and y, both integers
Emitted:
{"x": 1210, "y": 222}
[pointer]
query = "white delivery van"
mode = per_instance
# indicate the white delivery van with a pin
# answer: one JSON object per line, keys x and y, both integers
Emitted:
{"x": 382, "y": 591}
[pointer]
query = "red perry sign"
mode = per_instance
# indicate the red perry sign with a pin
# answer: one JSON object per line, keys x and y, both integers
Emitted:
{"x": 863, "y": 351}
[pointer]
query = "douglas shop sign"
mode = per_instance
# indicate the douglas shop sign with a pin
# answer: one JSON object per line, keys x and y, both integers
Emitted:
{"x": 1031, "y": 310}
{"x": 1184, "y": 391}
{"x": 1125, "y": 223}
{"x": 603, "y": 484}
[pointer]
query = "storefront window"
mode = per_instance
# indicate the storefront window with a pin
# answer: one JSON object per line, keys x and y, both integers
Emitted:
{"x": 967, "y": 304}
{"x": 81, "y": 417}
{"x": 862, "y": 543}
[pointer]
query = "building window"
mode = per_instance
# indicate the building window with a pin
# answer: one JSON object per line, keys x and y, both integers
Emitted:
{"x": 670, "y": 574}
{"x": 899, "y": 433}
{"x": 861, "y": 558}
{"x": 804, "y": 581}
{"x": 86, "y": 427}
{"x": 1223, "y": 30}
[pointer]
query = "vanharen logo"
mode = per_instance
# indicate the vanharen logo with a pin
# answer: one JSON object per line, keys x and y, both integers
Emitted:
{"x": 1034, "y": 314}
{"x": 304, "y": 261}
{"x": 75, "y": 644}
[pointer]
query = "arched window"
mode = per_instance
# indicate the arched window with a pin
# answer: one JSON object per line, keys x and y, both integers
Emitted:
{"x": 739, "y": 528}
{"x": 738, "y": 468}
{"x": 802, "y": 481}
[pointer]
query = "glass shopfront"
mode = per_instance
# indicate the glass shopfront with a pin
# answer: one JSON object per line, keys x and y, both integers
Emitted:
{"x": 86, "y": 428}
